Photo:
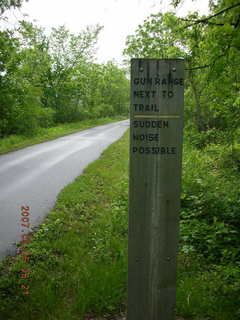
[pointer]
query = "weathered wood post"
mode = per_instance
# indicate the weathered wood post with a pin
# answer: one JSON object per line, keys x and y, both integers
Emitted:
{"x": 156, "y": 129}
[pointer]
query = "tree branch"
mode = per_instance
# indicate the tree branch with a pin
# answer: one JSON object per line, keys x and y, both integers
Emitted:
{"x": 237, "y": 23}
{"x": 205, "y": 20}
{"x": 211, "y": 64}
{"x": 200, "y": 67}
{"x": 208, "y": 22}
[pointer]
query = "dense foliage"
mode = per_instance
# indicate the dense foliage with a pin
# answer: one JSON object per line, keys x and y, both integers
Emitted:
{"x": 45, "y": 80}
{"x": 210, "y": 46}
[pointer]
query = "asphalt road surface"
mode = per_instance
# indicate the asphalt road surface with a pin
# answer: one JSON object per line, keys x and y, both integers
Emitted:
{"x": 33, "y": 176}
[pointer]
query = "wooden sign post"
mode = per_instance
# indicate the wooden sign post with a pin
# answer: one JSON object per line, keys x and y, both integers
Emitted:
{"x": 156, "y": 130}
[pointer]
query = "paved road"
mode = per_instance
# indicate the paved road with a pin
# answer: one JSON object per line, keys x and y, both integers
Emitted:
{"x": 33, "y": 176}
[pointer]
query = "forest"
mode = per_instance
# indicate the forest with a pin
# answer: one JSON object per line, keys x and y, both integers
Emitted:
{"x": 47, "y": 80}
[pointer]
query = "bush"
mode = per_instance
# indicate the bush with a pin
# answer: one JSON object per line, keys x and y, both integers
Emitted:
{"x": 46, "y": 117}
{"x": 210, "y": 221}
{"x": 3, "y": 127}
{"x": 200, "y": 140}
{"x": 106, "y": 110}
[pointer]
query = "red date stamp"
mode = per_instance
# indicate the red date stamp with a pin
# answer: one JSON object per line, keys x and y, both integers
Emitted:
{"x": 25, "y": 237}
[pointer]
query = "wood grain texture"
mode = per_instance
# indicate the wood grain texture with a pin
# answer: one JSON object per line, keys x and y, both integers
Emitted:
{"x": 156, "y": 129}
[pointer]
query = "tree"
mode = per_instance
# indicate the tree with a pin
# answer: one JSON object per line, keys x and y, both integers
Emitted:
{"x": 164, "y": 36}
{"x": 46, "y": 80}
{"x": 69, "y": 54}
{"x": 222, "y": 47}
{"x": 7, "y": 4}
{"x": 210, "y": 47}
{"x": 24, "y": 65}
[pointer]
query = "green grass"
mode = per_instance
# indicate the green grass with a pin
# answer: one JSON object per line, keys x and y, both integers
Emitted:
{"x": 78, "y": 256}
{"x": 15, "y": 142}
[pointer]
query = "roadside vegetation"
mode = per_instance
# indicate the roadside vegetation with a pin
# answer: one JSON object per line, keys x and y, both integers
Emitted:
{"x": 78, "y": 255}
{"x": 209, "y": 284}
{"x": 50, "y": 85}
{"x": 15, "y": 142}
{"x": 47, "y": 80}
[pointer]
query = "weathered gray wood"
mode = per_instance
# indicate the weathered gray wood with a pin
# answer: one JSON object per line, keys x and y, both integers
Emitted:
{"x": 154, "y": 192}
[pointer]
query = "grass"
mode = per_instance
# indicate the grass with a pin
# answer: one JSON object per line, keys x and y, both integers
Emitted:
{"x": 78, "y": 256}
{"x": 15, "y": 142}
